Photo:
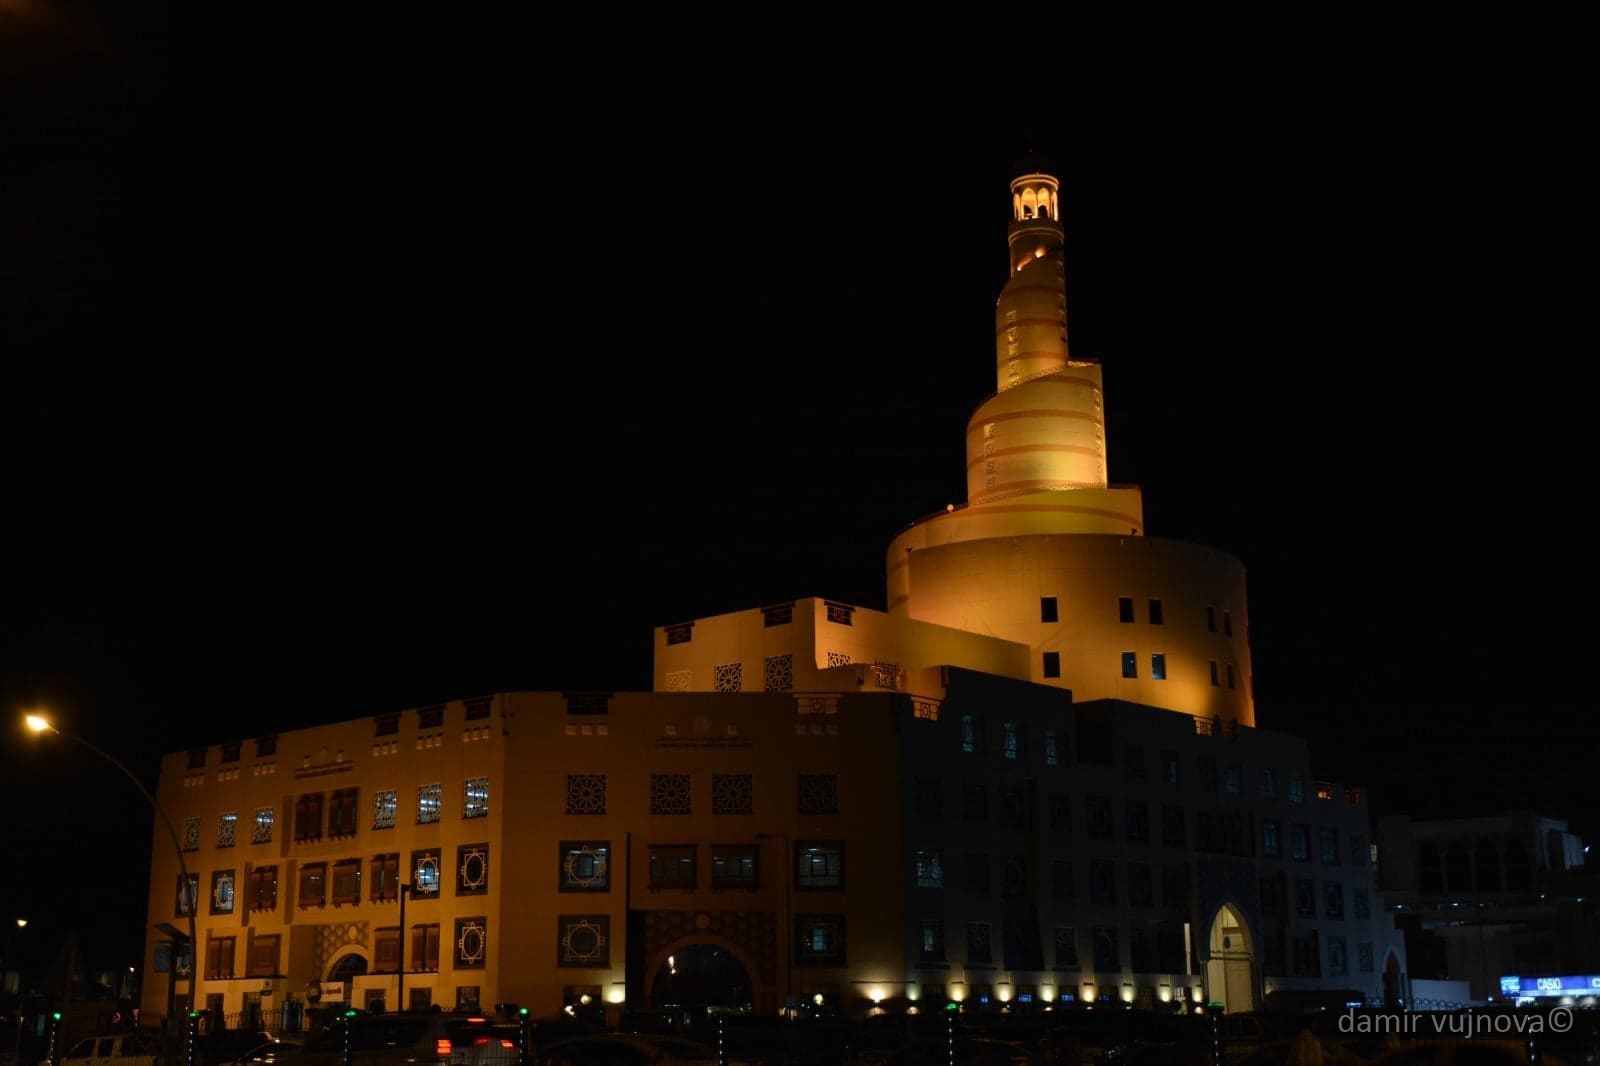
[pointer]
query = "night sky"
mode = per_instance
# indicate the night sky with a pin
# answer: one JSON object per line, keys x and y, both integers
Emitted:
{"x": 355, "y": 369}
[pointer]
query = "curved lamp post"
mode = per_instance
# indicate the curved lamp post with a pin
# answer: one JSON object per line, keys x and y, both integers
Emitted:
{"x": 38, "y": 723}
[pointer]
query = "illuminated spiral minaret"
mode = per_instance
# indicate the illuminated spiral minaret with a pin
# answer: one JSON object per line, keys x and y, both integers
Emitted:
{"x": 1043, "y": 531}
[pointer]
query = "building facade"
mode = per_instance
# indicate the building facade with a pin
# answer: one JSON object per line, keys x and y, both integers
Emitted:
{"x": 1034, "y": 779}
{"x": 1482, "y": 899}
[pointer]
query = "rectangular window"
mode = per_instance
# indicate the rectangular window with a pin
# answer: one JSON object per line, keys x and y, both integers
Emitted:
{"x": 734, "y": 866}
{"x": 227, "y": 826}
{"x": 1333, "y": 899}
{"x": 1133, "y": 760}
{"x": 386, "y": 950}
{"x": 1047, "y": 609}
{"x": 222, "y": 892}
{"x": 819, "y": 940}
{"x": 1338, "y": 960}
{"x": 430, "y": 717}
{"x": 1270, "y": 848}
{"x": 425, "y": 874}
{"x": 1305, "y": 897}
{"x": 266, "y": 746}
{"x": 975, "y": 802}
{"x": 1103, "y": 882}
{"x": 263, "y": 956}
{"x": 1169, "y": 767}
{"x": 672, "y": 866}
{"x": 314, "y": 884}
{"x": 467, "y": 997}
{"x": 931, "y": 942}
{"x": 1211, "y": 619}
{"x": 969, "y": 734}
{"x": 1215, "y": 683}
{"x": 929, "y": 797}
{"x": 472, "y": 869}
{"x": 980, "y": 948}
{"x": 261, "y": 833}
{"x": 187, "y": 896}
{"x": 230, "y": 752}
{"x": 219, "y": 958}
{"x": 385, "y": 878}
{"x": 1267, "y": 782}
{"x": 1364, "y": 955}
{"x": 384, "y": 806}
{"x": 385, "y": 725}
{"x": 429, "y": 803}
{"x": 1141, "y": 885}
{"x": 346, "y": 887}
{"x": 817, "y": 793}
{"x": 1052, "y": 664}
{"x": 471, "y": 943}
{"x": 818, "y": 865}
{"x": 1125, "y": 609}
{"x": 1174, "y": 890}
{"x": 1174, "y": 826}
{"x": 1231, "y": 776}
{"x": 263, "y": 889}
{"x": 1155, "y": 613}
{"x": 1051, "y": 758}
{"x": 419, "y": 999}
{"x": 1158, "y": 666}
{"x": 197, "y": 759}
{"x": 929, "y": 868}
{"x": 342, "y": 813}
{"x": 424, "y": 954}
{"x": 1100, "y": 827}
{"x": 1130, "y": 664}
{"x": 585, "y": 865}
{"x": 191, "y": 834}
{"x": 1363, "y": 904}
{"x": 1066, "y": 945}
{"x": 1061, "y": 813}
{"x": 1328, "y": 845}
{"x": 978, "y": 872}
{"x": 1300, "y": 843}
{"x": 475, "y": 798}
{"x": 1012, "y": 745}
{"x": 1062, "y": 883}
{"x": 477, "y": 710}
{"x": 1138, "y": 821}
{"x": 308, "y": 817}
{"x": 1230, "y": 676}
{"x": 1227, "y": 623}
{"x": 1208, "y": 773}
{"x": 1297, "y": 789}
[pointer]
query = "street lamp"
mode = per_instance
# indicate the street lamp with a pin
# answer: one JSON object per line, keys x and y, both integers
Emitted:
{"x": 38, "y": 723}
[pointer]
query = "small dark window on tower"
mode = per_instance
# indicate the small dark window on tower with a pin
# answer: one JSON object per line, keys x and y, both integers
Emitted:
{"x": 430, "y": 717}
{"x": 1125, "y": 608}
{"x": 1052, "y": 664}
{"x": 1214, "y": 671}
{"x": 386, "y": 725}
{"x": 230, "y": 752}
{"x": 1230, "y": 675}
{"x": 1158, "y": 666}
{"x": 777, "y": 615}
{"x": 1047, "y": 609}
{"x": 1130, "y": 664}
{"x": 477, "y": 710}
{"x": 266, "y": 746}
{"x": 1211, "y": 619}
{"x": 1155, "y": 612}
{"x": 1227, "y": 622}
{"x": 680, "y": 634}
{"x": 839, "y": 613}
{"x": 197, "y": 759}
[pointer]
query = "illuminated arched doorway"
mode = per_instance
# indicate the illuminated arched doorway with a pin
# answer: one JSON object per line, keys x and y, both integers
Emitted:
{"x": 701, "y": 975}
{"x": 348, "y": 967}
{"x": 1230, "y": 971}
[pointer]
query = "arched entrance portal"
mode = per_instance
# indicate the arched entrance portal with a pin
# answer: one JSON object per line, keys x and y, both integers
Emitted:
{"x": 347, "y": 969}
{"x": 1230, "y": 971}
{"x": 701, "y": 975}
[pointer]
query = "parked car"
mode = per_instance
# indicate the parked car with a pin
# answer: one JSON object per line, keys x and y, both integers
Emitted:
{"x": 384, "y": 1039}
{"x": 139, "y": 1048}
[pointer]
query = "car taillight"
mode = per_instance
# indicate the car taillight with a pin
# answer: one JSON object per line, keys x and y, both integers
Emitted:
{"x": 507, "y": 1043}
{"x": 482, "y": 1040}
{"x": 442, "y": 1047}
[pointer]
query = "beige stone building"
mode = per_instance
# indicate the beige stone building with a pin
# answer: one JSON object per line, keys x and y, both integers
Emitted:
{"x": 1035, "y": 778}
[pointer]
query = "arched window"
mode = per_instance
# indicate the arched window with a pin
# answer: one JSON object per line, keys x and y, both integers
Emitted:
{"x": 1029, "y": 202}
{"x": 1487, "y": 864}
{"x": 1519, "y": 871}
{"x": 1457, "y": 868}
{"x": 1430, "y": 871}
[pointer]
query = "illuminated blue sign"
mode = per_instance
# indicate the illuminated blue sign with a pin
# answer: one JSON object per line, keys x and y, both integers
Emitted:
{"x": 1515, "y": 987}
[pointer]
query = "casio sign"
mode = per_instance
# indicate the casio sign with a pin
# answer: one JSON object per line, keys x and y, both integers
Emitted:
{"x": 1549, "y": 984}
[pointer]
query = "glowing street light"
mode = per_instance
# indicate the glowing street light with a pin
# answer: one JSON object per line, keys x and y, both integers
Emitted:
{"x": 22, "y": 923}
{"x": 39, "y": 724}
